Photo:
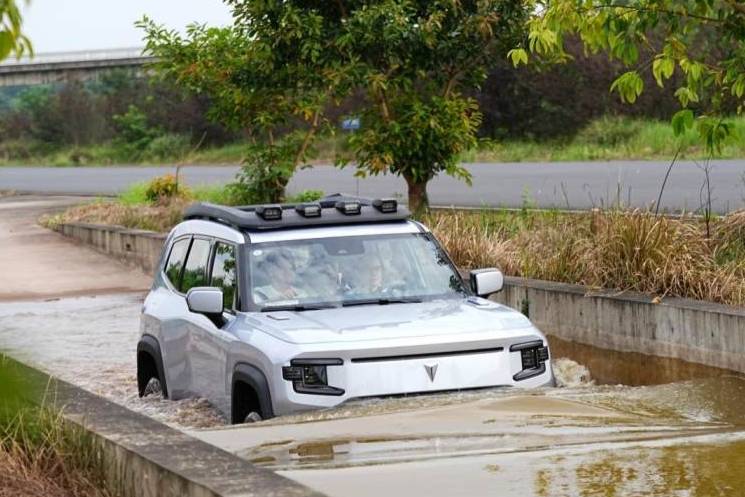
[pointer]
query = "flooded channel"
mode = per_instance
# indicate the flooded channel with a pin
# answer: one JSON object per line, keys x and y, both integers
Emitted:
{"x": 620, "y": 424}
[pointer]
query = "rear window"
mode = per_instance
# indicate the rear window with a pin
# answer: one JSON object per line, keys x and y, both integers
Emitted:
{"x": 195, "y": 271}
{"x": 176, "y": 261}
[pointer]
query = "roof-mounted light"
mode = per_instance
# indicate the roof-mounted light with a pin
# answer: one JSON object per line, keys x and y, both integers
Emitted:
{"x": 269, "y": 212}
{"x": 385, "y": 205}
{"x": 350, "y": 208}
{"x": 309, "y": 210}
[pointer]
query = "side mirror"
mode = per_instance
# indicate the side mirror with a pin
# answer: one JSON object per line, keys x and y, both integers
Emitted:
{"x": 205, "y": 300}
{"x": 484, "y": 282}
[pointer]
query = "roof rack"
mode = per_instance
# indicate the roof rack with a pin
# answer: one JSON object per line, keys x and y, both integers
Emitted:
{"x": 336, "y": 209}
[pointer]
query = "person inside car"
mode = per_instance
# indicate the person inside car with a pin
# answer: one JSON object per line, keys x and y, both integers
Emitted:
{"x": 278, "y": 270}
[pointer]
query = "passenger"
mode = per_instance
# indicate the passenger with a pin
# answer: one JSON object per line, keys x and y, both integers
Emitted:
{"x": 371, "y": 281}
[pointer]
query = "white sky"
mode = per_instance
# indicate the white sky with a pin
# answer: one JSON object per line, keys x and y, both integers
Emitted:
{"x": 67, "y": 25}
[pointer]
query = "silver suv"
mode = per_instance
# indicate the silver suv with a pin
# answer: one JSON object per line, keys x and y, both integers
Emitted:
{"x": 273, "y": 309}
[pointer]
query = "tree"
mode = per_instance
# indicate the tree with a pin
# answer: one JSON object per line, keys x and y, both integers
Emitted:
{"x": 283, "y": 63}
{"x": 417, "y": 59}
{"x": 260, "y": 77}
{"x": 713, "y": 66}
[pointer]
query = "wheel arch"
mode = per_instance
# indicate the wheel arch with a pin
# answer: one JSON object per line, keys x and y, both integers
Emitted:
{"x": 255, "y": 379}
{"x": 148, "y": 346}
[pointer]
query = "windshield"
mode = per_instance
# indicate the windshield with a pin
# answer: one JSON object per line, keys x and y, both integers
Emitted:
{"x": 379, "y": 269}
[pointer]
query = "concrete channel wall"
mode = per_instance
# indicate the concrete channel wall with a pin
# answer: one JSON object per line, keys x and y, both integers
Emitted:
{"x": 690, "y": 330}
{"x": 138, "y": 248}
{"x": 144, "y": 458}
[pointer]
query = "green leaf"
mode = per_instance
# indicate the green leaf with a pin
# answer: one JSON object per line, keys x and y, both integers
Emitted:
{"x": 518, "y": 55}
{"x": 662, "y": 69}
{"x": 629, "y": 86}
{"x": 7, "y": 43}
{"x": 682, "y": 120}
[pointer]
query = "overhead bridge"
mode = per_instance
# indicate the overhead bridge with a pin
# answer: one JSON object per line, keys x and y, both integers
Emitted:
{"x": 61, "y": 67}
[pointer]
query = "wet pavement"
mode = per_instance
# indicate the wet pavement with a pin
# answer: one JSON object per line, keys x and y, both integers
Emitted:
{"x": 621, "y": 425}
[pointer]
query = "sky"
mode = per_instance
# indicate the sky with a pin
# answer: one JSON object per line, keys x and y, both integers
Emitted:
{"x": 70, "y": 25}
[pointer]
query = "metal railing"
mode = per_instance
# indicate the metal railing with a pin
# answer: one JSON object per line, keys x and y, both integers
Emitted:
{"x": 79, "y": 56}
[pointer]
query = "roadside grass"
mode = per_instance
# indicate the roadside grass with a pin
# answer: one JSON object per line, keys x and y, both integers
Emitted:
{"x": 606, "y": 138}
{"x": 41, "y": 455}
{"x": 614, "y": 249}
{"x": 132, "y": 209}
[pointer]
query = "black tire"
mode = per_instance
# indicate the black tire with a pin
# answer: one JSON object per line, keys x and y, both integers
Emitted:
{"x": 150, "y": 366}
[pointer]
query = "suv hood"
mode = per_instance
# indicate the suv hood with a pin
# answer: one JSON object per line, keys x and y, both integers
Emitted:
{"x": 391, "y": 321}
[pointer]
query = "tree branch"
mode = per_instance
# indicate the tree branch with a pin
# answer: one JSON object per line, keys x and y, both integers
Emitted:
{"x": 658, "y": 11}
{"x": 308, "y": 137}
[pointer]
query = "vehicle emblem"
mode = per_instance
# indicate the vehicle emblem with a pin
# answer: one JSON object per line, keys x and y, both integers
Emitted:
{"x": 431, "y": 371}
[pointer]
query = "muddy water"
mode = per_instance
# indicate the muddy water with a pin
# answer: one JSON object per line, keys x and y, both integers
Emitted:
{"x": 91, "y": 341}
{"x": 621, "y": 424}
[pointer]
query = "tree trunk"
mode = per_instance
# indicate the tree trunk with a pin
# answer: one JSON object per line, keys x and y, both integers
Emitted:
{"x": 418, "y": 199}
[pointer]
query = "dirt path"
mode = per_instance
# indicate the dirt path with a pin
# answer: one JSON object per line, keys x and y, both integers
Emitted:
{"x": 36, "y": 263}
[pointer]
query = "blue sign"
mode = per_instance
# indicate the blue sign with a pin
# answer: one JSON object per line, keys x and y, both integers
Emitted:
{"x": 351, "y": 124}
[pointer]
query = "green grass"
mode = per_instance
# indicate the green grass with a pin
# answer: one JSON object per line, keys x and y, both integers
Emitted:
{"x": 135, "y": 194}
{"x": 607, "y": 138}
{"x": 614, "y": 139}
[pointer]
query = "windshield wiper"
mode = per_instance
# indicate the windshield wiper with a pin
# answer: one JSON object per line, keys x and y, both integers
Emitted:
{"x": 297, "y": 307}
{"x": 382, "y": 301}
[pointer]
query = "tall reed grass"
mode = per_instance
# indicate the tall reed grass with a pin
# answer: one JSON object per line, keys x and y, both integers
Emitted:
{"x": 605, "y": 249}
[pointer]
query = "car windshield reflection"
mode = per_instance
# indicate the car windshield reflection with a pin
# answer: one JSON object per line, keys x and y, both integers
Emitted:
{"x": 359, "y": 270}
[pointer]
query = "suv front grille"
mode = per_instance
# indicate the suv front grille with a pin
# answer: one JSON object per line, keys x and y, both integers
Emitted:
{"x": 427, "y": 355}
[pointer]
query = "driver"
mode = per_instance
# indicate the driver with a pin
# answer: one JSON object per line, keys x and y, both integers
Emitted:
{"x": 371, "y": 277}
{"x": 280, "y": 272}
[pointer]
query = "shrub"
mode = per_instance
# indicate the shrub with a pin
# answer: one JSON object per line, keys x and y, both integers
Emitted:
{"x": 264, "y": 175}
{"x": 19, "y": 150}
{"x": 609, "y": 131}
{"x": 167, "y": 147}
{"x": 305, "y": 196}
{"x": 162, "y": 187}
{"x": 134, "y": 129}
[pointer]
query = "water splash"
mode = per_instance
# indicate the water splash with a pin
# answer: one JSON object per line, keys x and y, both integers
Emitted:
{"x": 569, "y": 373}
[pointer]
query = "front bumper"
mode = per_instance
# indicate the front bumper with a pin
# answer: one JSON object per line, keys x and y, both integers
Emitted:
{"x": 395, "y": 371}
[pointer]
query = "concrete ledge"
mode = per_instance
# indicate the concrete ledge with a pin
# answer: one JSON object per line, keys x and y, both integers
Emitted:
{"x": 138, "y": 248}
{"x": 145, "y": 458}
{"x": 691, "y": 330}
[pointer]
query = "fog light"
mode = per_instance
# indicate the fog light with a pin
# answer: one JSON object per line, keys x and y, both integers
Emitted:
{"x": 349, "y": 208}
{"x": 309, "y": 210}
{"x": 386, "y": 205}
{"x": 269, "y": 212}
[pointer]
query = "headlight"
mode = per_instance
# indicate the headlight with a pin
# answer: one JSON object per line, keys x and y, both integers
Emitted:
{"x": 533, "y": 356}
{"x": 311, "y": 376}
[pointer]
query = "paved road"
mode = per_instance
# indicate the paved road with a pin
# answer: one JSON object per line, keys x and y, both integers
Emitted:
{"x": 573, "y": 185}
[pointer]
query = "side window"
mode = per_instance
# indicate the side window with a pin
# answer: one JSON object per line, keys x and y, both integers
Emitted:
{"x": 195, "y": 271}
{"x": 176, "y": 261}
{"x": 224, "y": 273}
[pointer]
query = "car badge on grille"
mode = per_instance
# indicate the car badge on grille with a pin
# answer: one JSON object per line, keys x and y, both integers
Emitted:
{"x": 431, "y": 371}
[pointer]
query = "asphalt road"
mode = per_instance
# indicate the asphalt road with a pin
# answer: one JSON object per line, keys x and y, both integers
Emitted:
{"x": 567, "y": 185}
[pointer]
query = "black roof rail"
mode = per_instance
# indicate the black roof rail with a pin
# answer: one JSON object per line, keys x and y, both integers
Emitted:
{"x": 254, "y": 217}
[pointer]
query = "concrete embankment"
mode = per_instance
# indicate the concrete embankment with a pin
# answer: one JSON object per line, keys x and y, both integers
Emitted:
{"x": 145, "y": 458}
{"x": 137, "y": 248}
{"x": 693, "y": 331}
